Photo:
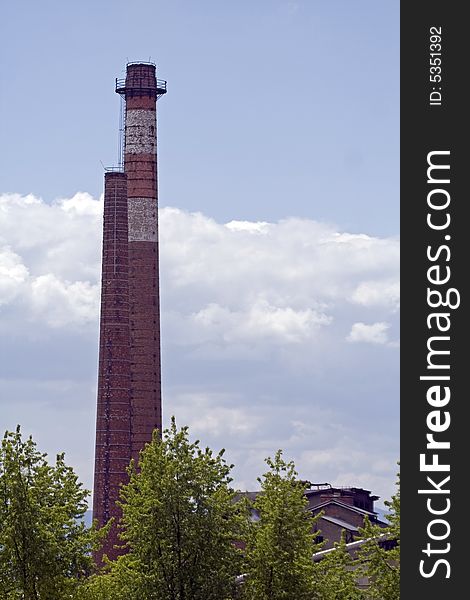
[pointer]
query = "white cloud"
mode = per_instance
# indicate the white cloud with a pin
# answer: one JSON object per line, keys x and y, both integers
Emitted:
{"x": 62, "y": 303}
{"x": 261, "y": 321}
{"x": 256, "y": 320}
{"x": 236, "y": 283}
{"x": 372, "y": 334}
{"x": 378, "y": 293}
{"x": 290, "y": 277}
{"x": 214, "y": 414}
{"x": 13, "y": 274}
{"x": 49, "y": 265}
{"x": 249, "y": 226}
{"x": 63, "y": 238}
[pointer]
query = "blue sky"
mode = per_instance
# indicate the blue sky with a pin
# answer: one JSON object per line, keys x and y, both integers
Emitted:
{"x": 281, "y": 120}
{"x": 275, "y": 108}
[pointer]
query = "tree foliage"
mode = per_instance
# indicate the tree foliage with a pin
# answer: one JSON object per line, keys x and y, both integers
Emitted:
{"x": 122, "y": 581}
{"x": 179, "y": 523}
{"x": 336, "y": 575}
{"x": 45, "y": 547}
{"x": 280, "y": 545}
{"x": 380, "y": 555}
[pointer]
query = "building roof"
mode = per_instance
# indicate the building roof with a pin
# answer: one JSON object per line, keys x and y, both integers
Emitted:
{"x": 340, "y": 523}
{"x": 321, "y": 488}
{"x": 250, "y": 495}
{"x": 372, "y": 514}
{"x": 351, "y": 546}
{"x": 344, "y": 505}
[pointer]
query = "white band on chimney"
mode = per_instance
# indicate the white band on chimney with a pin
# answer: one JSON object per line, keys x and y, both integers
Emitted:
{"x": 141, "y": 135}
{"x": 142, "y": 217}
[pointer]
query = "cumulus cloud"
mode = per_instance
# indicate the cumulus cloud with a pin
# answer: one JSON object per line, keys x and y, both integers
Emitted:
{"x": 49, "y": 259}
{"x": 378, "y": 293}
{"x": 241, "y": 282}
{"x": 372, "y": 334}
{"x": 62, "y": 237}
{"x": 13, "y": 274}
{"x": 258, "y": 321}
{"x": 281, "y": 281}
{"x": 216, "y": 414}
{"x": 62, "y": 303}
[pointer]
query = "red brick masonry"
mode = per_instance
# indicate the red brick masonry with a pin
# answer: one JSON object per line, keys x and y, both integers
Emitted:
{"x": 113, "y": 423}
{"x": 129, "y": 380}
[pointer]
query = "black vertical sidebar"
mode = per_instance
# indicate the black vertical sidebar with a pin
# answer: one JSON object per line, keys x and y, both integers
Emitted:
{"x": 435, "y": 345}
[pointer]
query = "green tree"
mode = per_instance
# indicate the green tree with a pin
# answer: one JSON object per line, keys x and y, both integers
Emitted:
{"x": 179, "y": 522}
{"x": 122, "y": 581}
{"x": 281, "y": 544}
{"x": 380, "y": 555}
{"x": 336, "y": 575}
{"x": 45, "y": 547}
